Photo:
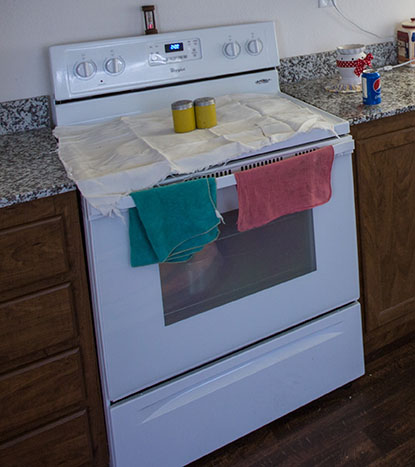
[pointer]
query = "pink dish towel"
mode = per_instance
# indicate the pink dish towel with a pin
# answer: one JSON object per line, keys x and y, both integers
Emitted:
{"x": 292, "y": 185}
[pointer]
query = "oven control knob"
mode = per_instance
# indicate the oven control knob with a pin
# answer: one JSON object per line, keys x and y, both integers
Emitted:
{"x": 86, "y": 69}
{"x": 254, "y": 46}
{"x": 114, "y": 66}
{"x": 231, "y": 49}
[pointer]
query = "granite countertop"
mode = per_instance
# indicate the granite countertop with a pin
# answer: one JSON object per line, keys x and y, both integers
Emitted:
{"x": 397, "y": 92}
{"x": 30, "y": 167}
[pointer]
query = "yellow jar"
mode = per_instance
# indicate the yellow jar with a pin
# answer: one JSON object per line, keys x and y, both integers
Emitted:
{"x": 205, "y": 110}
{"x": 183, "y": 116}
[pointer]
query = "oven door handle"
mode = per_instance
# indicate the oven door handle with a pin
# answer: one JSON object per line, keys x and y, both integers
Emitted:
{"x": 225, "y": 181}
{"x": 221, "y": 182}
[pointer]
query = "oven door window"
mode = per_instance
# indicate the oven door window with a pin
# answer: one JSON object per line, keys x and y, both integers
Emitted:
{"x": 238, "y": 264}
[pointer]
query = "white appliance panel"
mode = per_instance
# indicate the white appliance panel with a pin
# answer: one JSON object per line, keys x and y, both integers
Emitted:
{"x": 84, "y": 69}
{"x": 211, "y": 407}
{"x": 139, "y": 350}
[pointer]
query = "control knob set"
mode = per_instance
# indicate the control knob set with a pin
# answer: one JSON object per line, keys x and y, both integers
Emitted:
{"x": 87, "y": 68}
{"x": 232, "y": 49}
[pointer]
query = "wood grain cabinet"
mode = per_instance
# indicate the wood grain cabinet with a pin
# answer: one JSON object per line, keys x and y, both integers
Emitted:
{"x": 385, "y": 191}
{"x": 50, "y": 398}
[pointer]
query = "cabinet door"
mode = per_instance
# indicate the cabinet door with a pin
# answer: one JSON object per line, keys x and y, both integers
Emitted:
{"x": 50, "y": 402}
{"x": 386, "y": 197}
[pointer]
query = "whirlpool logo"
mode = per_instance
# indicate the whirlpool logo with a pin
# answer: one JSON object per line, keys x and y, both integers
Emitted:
{"x": 177, "y": 70}
{"x": 263, "y": 81}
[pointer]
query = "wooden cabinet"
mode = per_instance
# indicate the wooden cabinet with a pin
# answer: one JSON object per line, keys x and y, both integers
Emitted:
{"x": 50, "y": 397}
{"x": 385, "y": 188}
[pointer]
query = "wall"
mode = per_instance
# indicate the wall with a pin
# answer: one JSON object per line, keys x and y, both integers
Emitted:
{"x": 28, "y": 27}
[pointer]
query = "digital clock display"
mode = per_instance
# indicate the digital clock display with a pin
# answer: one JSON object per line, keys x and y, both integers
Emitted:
{"x": 173, "y": 47}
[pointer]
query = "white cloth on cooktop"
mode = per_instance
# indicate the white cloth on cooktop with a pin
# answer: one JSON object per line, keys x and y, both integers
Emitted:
{"x": 109, "y": 160}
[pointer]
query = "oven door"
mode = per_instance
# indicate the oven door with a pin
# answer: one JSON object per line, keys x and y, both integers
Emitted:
{"x": 158, "y": 321}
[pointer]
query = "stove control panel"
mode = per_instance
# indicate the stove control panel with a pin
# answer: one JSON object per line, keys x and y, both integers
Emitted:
{"x": 109, "y": 66}
{"x": 164, "y": 53}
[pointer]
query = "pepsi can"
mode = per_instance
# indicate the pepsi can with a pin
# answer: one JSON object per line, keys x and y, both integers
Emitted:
{"x": 371, "y": 87}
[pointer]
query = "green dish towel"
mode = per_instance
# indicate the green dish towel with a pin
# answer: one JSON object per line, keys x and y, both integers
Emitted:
{"x": 170, "y": 223}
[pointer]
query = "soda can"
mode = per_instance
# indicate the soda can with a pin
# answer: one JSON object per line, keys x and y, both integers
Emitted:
{"x": 371, "y": 87}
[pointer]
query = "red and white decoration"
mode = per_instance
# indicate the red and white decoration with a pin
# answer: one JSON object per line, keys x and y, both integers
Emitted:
{"x": 351, "y": 61}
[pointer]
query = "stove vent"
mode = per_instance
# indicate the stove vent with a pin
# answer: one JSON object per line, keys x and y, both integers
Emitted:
{"x": 237, "y": 166}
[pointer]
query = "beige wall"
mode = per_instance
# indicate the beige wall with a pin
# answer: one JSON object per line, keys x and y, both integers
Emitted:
{"x": 28, "y": 27}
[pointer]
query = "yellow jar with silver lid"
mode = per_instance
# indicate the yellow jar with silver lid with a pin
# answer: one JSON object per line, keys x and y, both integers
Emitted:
{"x": 205, "y": 110}
{"x": 183, "y": 116}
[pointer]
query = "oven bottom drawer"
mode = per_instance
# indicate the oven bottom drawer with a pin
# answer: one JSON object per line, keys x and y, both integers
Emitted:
{"x": 182, "y": 420}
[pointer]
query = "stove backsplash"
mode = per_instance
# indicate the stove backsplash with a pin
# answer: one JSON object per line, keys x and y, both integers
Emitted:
{"x": 24, "y": 114}
{"x": 34, "y": 113}
{"x": 323, "y": 64}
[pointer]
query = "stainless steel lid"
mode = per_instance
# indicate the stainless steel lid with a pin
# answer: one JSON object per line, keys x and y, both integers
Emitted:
{"x": 182, "y": 105}
{"x": 202, "y": 101}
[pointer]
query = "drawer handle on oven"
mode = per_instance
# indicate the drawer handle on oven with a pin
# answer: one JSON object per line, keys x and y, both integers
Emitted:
{"x": 245, "y": 370}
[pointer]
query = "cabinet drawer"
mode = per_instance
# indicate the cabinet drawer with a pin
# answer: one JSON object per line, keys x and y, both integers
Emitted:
{"x": 31, "y": 325}
{"x": 32, "y": 252}
{"x": 65, "y": 443}
{"x": 37, "y": 394}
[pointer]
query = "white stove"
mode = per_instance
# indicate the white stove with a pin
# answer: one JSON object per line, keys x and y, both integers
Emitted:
{"x": 195, "y": 355}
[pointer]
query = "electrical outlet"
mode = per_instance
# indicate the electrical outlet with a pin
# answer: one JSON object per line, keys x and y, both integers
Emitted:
{"x": 324, "y": 3}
